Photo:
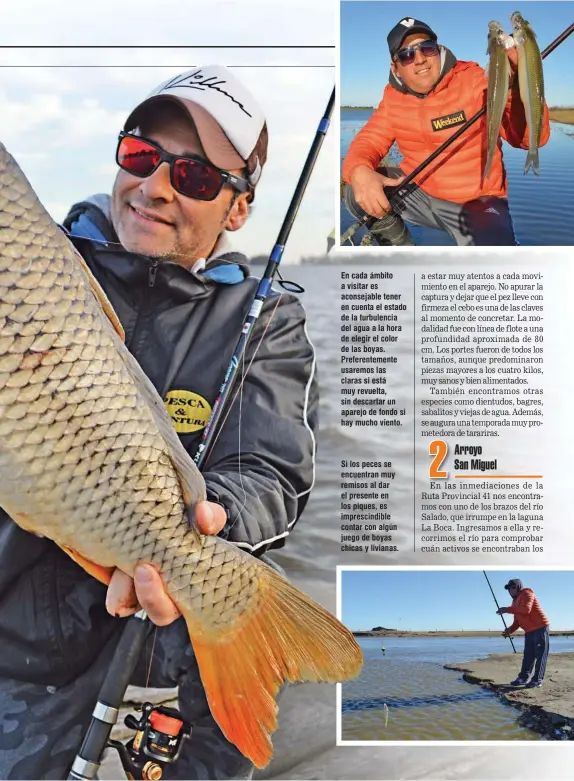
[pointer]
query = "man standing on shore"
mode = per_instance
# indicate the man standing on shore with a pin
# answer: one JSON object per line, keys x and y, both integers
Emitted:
{"x": 528, "y": 615}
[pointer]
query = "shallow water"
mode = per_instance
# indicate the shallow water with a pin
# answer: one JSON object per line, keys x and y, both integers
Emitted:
{"x": 425, "y": 701}
{"x": 537, "y": 203}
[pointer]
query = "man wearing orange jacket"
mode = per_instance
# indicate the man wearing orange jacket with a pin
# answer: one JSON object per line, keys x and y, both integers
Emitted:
{"x": 429, "y": 95}
{"x": 528, "y": 615}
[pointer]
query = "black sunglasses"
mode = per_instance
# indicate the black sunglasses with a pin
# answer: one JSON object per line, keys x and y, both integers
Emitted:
{"x": 190, "y": 176}
{"x": 406, "y": 56}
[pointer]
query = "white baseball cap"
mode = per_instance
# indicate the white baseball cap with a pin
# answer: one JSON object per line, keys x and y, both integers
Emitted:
{"x": 227, "y": 117}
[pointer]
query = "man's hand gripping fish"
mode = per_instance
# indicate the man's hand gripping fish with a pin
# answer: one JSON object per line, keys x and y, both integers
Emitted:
{"x": 90, "y": 459}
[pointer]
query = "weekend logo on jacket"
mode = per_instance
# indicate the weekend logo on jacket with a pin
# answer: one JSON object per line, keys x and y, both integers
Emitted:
{"x": 188, "y": 410}
{"x": 449, "y": 120}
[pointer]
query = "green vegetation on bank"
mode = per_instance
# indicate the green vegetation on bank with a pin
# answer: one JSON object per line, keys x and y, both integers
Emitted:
{"x": 356, "y": 108}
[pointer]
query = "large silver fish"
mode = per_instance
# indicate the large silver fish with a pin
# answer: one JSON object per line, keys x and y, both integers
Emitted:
{"x": 90, "y": 459}
{"x": 531, "y": 85}
{"x": 498, "y": 83}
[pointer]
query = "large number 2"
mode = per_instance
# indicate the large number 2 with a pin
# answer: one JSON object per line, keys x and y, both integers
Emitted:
{"x": 438, "y": 449}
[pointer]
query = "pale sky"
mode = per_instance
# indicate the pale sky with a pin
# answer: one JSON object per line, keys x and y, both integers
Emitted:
{"x": 62, "y": 108}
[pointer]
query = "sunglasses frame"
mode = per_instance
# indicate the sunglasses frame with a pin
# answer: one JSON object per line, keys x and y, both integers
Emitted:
{"x": 416, "y": 47}
{"x": 237, "y": 182}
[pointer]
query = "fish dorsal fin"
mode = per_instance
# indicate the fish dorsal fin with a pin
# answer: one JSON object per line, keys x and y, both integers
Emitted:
{"x": 101, "y": 297}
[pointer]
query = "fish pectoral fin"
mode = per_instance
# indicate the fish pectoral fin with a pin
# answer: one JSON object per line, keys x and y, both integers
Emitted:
{"x": 103, "y": 300}
{"x": 286, "y": 636}
{"x": 103, "y": 574}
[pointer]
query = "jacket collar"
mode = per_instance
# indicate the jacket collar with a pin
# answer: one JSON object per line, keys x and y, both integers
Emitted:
{"x": 91, "y": 220}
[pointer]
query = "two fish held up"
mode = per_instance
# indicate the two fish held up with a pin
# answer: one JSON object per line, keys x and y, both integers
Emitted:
{"x": 531, "y": 85}
{"x": 89, "y": 458}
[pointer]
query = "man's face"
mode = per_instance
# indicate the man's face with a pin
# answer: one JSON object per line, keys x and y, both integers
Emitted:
{"x": 152, "y": 219}
{"x": 423, "y": 73}
{"x": 513, "y": 591}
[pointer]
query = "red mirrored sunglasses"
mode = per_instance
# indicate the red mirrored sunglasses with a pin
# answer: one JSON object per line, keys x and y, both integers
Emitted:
{"x": 407, "y": 55}
{"x": 190, "y": 176}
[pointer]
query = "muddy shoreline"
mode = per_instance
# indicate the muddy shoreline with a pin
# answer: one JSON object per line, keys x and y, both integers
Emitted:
{"x": 548, "y": 710}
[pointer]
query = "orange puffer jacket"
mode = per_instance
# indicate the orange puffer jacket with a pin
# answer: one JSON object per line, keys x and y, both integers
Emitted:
{"x": 421, "y": 124}
{"x": 528, "y": 615}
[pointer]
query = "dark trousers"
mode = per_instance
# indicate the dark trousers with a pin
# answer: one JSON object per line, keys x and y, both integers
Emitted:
{"x": 485, "y": 221}
{"x": 536, "y": 649}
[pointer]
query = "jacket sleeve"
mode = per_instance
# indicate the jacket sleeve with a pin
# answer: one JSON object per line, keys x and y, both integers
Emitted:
{"x": 371, "y": 143}
{"x": 526, "y": 606}
{"x": 514, "y": 627}
{"x": 262, "y": 466}
{"x": 514, "y": 128}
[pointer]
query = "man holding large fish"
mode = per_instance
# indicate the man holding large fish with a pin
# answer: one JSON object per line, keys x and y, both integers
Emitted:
{"x": 430, "y": 95}
{"x": 152, "y": 299}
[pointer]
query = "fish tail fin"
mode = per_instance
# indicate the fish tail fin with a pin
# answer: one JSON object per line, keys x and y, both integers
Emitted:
{"x": 487, "y": 167}
{"x": 285, "y": 637}
{"x": 532, "y": 162}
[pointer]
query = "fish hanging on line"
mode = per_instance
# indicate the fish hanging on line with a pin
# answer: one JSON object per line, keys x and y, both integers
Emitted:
{"x": 89, "y": 458}
{"x": 531, "y": 86}
{"x": 498, "y": 73}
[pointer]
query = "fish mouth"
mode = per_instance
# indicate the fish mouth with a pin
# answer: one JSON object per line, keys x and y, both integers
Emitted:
{"x": 149, "y": 216}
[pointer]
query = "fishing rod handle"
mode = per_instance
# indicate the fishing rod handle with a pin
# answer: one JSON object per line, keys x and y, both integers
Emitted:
{"x": 110, "y": 698}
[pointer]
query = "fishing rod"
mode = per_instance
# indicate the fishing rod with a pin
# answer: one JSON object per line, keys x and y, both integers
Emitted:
{"x": 161, "y": 732}
{"x": 264, "y": 284}
{"x": 398, "y": 194}
{"x": 498, "y": 608}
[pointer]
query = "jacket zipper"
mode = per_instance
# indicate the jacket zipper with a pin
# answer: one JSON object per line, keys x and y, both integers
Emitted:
{"x": 152, "y": 273}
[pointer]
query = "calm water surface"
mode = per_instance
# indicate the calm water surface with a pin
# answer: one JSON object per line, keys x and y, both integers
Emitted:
{"x": 425, "y": 701}
{"x": 538, "y": 204}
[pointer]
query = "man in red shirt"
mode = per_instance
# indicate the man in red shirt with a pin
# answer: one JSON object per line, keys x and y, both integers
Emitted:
{"x": 529, "y": 616}
{"x": 430, "y": 94}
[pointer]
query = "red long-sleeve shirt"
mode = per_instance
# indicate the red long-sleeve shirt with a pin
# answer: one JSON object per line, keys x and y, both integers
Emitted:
{"x": 528, "y": 615}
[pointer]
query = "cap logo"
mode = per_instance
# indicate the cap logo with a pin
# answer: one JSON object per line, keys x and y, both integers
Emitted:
{"x": 198, "y": 80}
{"x": 407, "y": 22}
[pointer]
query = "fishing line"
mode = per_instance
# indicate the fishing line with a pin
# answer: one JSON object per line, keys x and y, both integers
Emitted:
{"x": 216, "y": 437}
{"x": 239, "y": 392}
{"x": 150, "y": 657}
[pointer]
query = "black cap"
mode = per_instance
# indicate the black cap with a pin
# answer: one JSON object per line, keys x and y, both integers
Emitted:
{"x": 514, "y": 582}
{"x": 405, "y": 27}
